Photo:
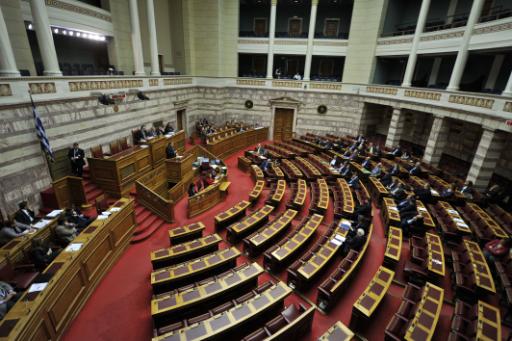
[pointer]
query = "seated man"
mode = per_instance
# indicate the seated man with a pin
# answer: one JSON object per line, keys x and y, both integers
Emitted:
{"x": 41, "y": 255}
{"x": 395, "y": 170}
{"x": 8, "y": 298}
{"x": 449, "y": 192}
{"x": 405, "y": 156}
{"x": 170, "y": 152}
{"x": 386, "y": 179}
{"x": 354, "y": 242}
{"x": 354, "y": 180}
{"x": 141, "y": 135}
{"x": 467, "y": 190}
{"x": 416, "y": 170}
{"x": 260, "y": 150}
{"x": 408, "y": 223}
{"x": 407, "y": 206}
{"x": 24, "y": 217}
{"x": 397, "y": 151}
{"x": 364, "y": 210}
{"x": 393, "y": 185}
{"x": 346, "y": 170}
{"x": 75, "y": 216}
{"x": 265, "y": 164}
{"x": 335, "y": 162}
{"x": 367, "y": 164}
{"x": 425, "y": 194}
{"x": 168, "y": 128}
{"x": 9, "y": 232}
{"x": 65, "y": 231}
{"x": 192, "y": 189}
{"x": 377, "y": 170}
{"x": 399, "y": 192}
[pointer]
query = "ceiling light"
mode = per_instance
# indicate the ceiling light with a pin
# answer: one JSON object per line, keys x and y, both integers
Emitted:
{"x": 78, "y": 34}
{"x": 56, "y": 30}
{"x": 102, "y": 38}
{"x": 29, "y": 26}
{"x": 71, "y": 33}
{"x": 64, "y": 32}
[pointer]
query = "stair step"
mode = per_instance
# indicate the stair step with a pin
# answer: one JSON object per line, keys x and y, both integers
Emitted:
{"x": 152, "y": 220}
{"x": 139, "y": 209}
{"x": 140, "y": 217}
{"x": 89, "y": 187}
{"x": 93, "y": 195}
{"x": 137, "y": 238}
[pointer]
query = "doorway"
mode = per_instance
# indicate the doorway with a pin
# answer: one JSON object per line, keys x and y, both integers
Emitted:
{"x": 283, "y": 124}
{"x": 181, "y": 120}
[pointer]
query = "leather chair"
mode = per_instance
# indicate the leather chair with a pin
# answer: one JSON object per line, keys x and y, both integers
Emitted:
{"x": 346, "y": 264}
{"x": 465, "y": 310}
{"x": 20, "y": 276}
{"x": 222, "y": 308}
{"x": 291, "y": 313}
{"x": 97, "y": 152}
{"x": 352, "y": 255}
{"x": 257, "y": 335}
{"x": 115, "y": 147}
{"x": 454, "y": 336}
{"x": 412, "y": 293}
{"x": 197, "y": 319}
{"x": 123, "y": 142}
{"x": 419, "y": 255}
{"x": 464, "y": 327}
{"x": 171, "y": 327}
{"x": 186, "y": 287}
{"x": 245, "y": 297}
{"x": 395, "y": 330}
{"x": 274, "y": 325}
{"x": 265, "y": 286}
{"x": 406, "y": 309}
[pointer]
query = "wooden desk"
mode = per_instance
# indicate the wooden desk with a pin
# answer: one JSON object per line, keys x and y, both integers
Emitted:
{"x": 256, "y": 191}
{"x": 178, "y": 305}
{"x": 377, "y": 189}
{"x": 179, "y": 169}
{"x": 291, "y": 171}
{"x": 159, "y": 144}
{"x": 312, "y": 170}
{"x": 257, "y": 173}
{"x": 393, "y": 246}
{"x": 455, "y": 217}
{"x": 320, "y": 196}
{"x": 435, "y": 254}
{"x": 260, "y": 240}
{"x": 207, "y": 198}
{"x": 390, "y": 213}
{"x": 338, "y": 332}
{"x": 423, "y": 325}
{"x": 483, "y": 275}
{"x": 165, "y": 279}
{"x": 371, "y": 297}
{"x": 248, "y": 224}
{"x": 300, "y": 195}
{"x": 427, "y": 218}
{"x": 496, "y": 232}
{"x": 115, "y": 175}
{"x": 348, "y": 198}
{"x": 73, "y": 277}
{"x": 489, "y": 322}
{"x": 238, "y": 141}
{"x": 284, "y": 251}
{"x": 184, "y": 233}
{"x": 231, "y": 321}
{"x": 185, "y": 251}
{"x": 244, "y": 164}
{"x": 278, "y": 173}
{"x": 278, "y": 194}
{"x": 232, "y": 214}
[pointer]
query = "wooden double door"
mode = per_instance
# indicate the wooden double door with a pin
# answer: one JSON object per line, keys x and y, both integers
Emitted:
{"x": 283, "y": 124}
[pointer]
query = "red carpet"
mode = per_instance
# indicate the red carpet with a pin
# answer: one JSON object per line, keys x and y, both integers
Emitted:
{"x": 119, "y": 309}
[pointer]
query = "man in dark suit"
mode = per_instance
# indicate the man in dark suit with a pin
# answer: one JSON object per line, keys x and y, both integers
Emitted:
{"x": 24, "y": 217}
{"x": 170, "y": 152}
{"x": 416, "y": 170}
{"x": 424, "y": 194}
{"x": 397, "y": 151}
{"x": 77, "y": 158}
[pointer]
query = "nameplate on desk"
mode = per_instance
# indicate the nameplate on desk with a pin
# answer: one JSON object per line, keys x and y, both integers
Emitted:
{"x": 73, "y": 247}
{"x": 144, "y": 146}
{"x": 40, "y": 224}
{"x": 54, "y": 213}
{"x": 36, "y": 287}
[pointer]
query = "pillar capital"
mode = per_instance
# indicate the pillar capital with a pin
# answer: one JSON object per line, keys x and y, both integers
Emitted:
{"x": 314, "y": 2}
{"x": 274, "y": 2}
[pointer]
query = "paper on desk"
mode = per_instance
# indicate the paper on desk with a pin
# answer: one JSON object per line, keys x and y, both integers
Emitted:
{"x": 452, "y": 211}
{"x": 336, "y": 241}
{"x": 434, "y": 192}
{"x": 340, "y": 238}
{"x": 54, "y": 213}
{"x": 73, "y": 247}
{"x": 393, "y": 208}
{"x": 422, "y": 209}
{"x": 107, "y": 213}
{"x": 102, "y": 217}
{"x": 36, "y": 287}
{"x": 40, "y": 224}
{"x": 144, "y": 146}
{"x": 115, "y": 209}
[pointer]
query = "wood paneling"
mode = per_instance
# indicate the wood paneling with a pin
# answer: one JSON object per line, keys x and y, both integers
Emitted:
{"x": 283, "y": 124}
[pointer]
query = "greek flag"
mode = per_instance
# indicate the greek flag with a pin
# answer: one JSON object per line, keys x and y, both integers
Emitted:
{"x": 41, "y": 133}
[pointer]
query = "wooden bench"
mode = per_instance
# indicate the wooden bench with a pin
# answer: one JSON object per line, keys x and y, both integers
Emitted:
{"x": 244, "y": 164}
{"x": 247, "y": 225}
{"x": 232, "y": 324}
{"x": 185, "y": 251}
{"x": 263, "y": 238}
{"x": 277, "y": 193}
{"x": 372, "y": 296}
{"x": 184, "y": 273}
{"x": 337, "y": 332}
{"x": 256, "y": 191}
{"x": 195, "y": 299}
{"x": 343, "y": 199}
{"x": 393, "y": 246}
{"x": 319, "y": 196}
{"x": 232, "y": 214}
{"x": 257, "y": 173}
{"x": 291, "y": 172}
{"x": 298, "y": 197}
{"x": 484, "y": 227}
{"x": 390, "y": 213}
{"x": 281, "y": 254}
{"x": 185, "y": 233}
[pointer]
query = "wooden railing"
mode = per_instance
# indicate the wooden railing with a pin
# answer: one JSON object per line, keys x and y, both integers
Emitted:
{"x": 147, "y": 194}
{"x": 69, "y": 190}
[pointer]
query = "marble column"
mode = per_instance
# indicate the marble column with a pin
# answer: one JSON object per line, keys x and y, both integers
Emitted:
{"x": 432, "y": 80}
{"x": 396, "y": 128}
{"x": 508, "y": 87}
{"x": 462, "y": 54}
{"x": 452, "y": 7}
{"x": 8, "y": 66}
{"x": 311, "y": 37}
{"x": 153, "y": 46}
{"x": 138, "y": 59}
{"x": 413, "y": 54}
{"x": 495, "y": 71}
{"x": 436, "y": 140}
{"x": 45, "y": 38}
{"x": 271, "y": 36}
{"x": 486, "y": 158}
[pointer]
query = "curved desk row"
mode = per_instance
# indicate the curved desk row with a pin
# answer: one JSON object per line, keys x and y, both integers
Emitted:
{"x": 237, "y": 141}
{"x": 71, "y": 279}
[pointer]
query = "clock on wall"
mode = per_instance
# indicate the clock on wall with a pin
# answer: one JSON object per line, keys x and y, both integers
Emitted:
{"x": 322, "y": 109}
{"x": 249, "y": 104}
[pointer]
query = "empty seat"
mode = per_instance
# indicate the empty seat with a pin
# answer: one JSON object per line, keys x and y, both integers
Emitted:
{"x": 257, "y": 335}
{"x": 199, "y": 318}
{"x": 275, "y": 324}
{"x": 222, "y": 308}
